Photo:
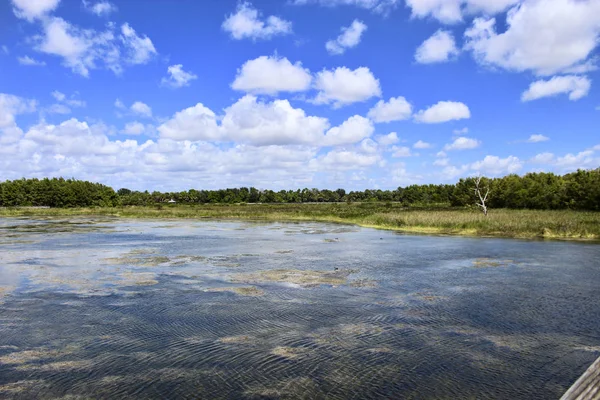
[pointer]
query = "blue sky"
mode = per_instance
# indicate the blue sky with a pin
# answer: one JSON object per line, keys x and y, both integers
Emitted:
{"x": 297, "y": 93}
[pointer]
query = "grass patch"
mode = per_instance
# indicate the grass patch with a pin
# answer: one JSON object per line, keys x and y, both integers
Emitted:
{"x": 545, "y": 224}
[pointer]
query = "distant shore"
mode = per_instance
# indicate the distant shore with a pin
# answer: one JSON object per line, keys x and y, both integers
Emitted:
{"x": 523, "y": 224}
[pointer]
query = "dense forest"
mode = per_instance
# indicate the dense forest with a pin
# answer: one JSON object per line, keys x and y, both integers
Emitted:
{"x": 578, "y": 190}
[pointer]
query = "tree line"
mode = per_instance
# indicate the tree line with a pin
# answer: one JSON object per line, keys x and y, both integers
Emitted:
{"x": 578, "y": 190}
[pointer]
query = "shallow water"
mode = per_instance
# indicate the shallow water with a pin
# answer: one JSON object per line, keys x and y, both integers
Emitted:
{"x": 113, "y": 309}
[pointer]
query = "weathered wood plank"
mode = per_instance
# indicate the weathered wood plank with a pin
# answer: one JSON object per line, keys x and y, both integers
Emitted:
{"x": 587, "y": 386}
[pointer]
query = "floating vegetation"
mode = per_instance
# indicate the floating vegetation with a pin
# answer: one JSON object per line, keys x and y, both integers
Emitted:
{"x": 35, "y": 355}
{"x": 139, "y": 278}
{"x": 152, "y": 261}
{"x": 243, "y": 291}
{"x": 289, "y": 352}
{"x": 305, "y": 278}
{"x": 293, "y": 388}
{"x": 491, "y": 263}
{"x": 57, "y": 366}
{"x": 236, "y": 339}
{"x": 284, "y": 251}
{"x": 363, "y": 283}
{"x": 328, "y": 240}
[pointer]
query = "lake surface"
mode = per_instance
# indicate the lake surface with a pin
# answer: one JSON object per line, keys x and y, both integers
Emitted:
{"x": 108, "y": 308}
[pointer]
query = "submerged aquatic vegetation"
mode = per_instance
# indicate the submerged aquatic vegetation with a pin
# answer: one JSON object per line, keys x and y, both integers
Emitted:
{"x": 304, "y": 278}
{"x": 488, "y": 262}
{"x": 243, "y": 291}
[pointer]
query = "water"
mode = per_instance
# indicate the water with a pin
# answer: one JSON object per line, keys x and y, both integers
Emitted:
{"x": 114, "y": 309}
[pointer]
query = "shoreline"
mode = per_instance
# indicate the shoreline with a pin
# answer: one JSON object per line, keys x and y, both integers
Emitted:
{"x": 516, "y": 224}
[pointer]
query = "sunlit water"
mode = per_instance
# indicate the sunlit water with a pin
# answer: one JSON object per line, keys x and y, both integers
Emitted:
{"x": 101, "y": 308}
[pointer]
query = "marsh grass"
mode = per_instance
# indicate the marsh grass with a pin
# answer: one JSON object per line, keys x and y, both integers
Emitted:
{"x": 547, "y": 224}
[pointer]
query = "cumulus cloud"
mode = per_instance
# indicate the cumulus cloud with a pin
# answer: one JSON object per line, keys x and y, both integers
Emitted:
{"x": 271, "y": 123}
{"x": 11, "y": 106}
{"x": 58, "y": 109}
{"x": 376, "y": 6}
{"x": 536, "y": 138}
{"x": 462, "y": 143}
{"x": 339, "y": 159}
{"x": 246, "y": 22}
{"x": 193, "y": 123}
{"x": 443, "y": 111}
{"x": 344, "y": 86}
{"x": 270, "y": 75}
{"x": 401, "y": 151}
{"x": 33, "y": 9}
{"x": 542, "y": 158}
{"x": 396, "y": 109}
{"x": 452, "y": 11}
{"x": 350, "y": 37}
{"x": 85, "y": 49}
{"x": 100, "y": 8}
{"x": 389, "y": 139}
{"x": 26, "y": 60}
{"x": 353, "y": 130}
{"x": 494, "y": 165}
{"x": 422, "y": 145}
{"x": 440, "y": 47}
{"x": 545, "y": 37}
{"x": 136, "y": 128}
{"x": 177, "y": 77}
{"x": 575, "y": 86}
{"x": 141, "y": 109}
{"x": 462, "y": 131}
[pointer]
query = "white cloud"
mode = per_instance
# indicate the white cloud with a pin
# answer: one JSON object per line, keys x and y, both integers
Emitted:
{"x": 62, "y": 98}
{"x": 350, "y": 37}
{"x": 270, "y": 75}
{"x": 542, "y": 158}
{"x": 536, "y": 138}
{"x": 422, "y": 145}
{"x": 462, "y": 143}
{"x": 545, "y": 37}
{"x": 583, "y": 159}
{"x": 396, "y": 109}
{"x": 345, "y": 160}
{"x": 178, "y": 77}
{"x": 376, "y": 6}
{"x": 100, "y": 8}
{"x": 5, "y": 49}
{"x": 11, "y": 106}
{"x": 141, "y": 109}
{"x": 442, "y": 162}
{"x": 452, "y": 11}
{"x": 119, "y": 104}
{"x": 389, "y": 139}
{"x": 138, "y": 49}
{"x": 462, "y": 131}
{"x": 343, "y": 86}
{"x": 134, "y": 128}
{"x": 274, "y": 123}
{"x": 26, "y": 60}
{"x": 85, "y": 49}
{"x": 443, "y": 111}
{"x": 494, "y": 165}
{"x": 575, "y": 86}
{"x": 58, "y": 109}
{"x": 33, "y": 9}
{"x": 247, "y": 23}
{"x": 440, "y": 47}
{"x": 193, "y": 123}
{"x": 58, "y": 95}
{"x": 353, "y": 130}
{"x": 401, "y": 151}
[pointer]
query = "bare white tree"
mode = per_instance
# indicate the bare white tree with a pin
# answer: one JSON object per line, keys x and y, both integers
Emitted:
{"x": 482, "y": 197}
